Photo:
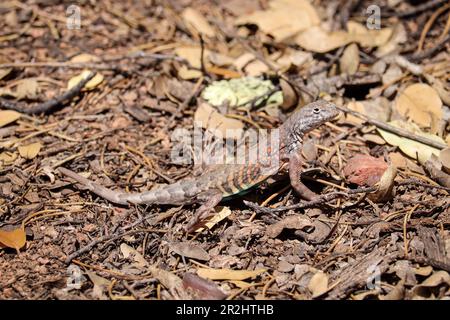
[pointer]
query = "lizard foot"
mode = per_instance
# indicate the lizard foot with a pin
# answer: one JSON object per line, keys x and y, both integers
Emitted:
{"x": 210, "y": 199}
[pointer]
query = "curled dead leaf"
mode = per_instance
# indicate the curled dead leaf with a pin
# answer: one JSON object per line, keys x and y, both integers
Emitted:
{"x": 385, "y": 185}
{"x": 15, "y": 239}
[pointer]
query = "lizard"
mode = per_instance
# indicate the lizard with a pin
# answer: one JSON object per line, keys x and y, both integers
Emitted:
{"x": 227, "y": 180}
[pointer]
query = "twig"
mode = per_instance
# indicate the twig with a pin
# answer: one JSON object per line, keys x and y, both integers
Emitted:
{"x": 396, "y": 130}
{"x": 418, "y": 9}
{"x": 307, "y": 204}
{"x": 426, "y": 53}
{"x": 50, "y": 105}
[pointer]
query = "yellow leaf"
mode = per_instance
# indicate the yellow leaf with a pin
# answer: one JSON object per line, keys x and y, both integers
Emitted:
{"x": 414, "y": 149}
{"x": 228, "y": 274}
{"x": 222, "y": 214}
{"x": 318, "y": 284}
{"x": 196, "y": 20}
{"x": 8, "y": 116}
{"x": 94, "y": 82}
{"x": 420, "y": 103}
{"x": 15, "y": 239}
{"x": 30, "y": 151}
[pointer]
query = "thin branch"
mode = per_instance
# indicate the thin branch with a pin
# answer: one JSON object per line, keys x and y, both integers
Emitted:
{"x": 398, "y": 131}
{"x": 50, "y": 105}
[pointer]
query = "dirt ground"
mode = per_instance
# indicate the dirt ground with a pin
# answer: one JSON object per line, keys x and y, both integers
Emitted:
{"x": 380, "y": 228}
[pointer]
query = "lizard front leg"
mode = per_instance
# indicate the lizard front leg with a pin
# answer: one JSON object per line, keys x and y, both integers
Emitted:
{"x": 209, "y": 200}
{"x": 295, "y": 165}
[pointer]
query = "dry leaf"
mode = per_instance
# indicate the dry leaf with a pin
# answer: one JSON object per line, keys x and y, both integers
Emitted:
{"x": 349, "y": 61}
{"x": 284, "y": 18}
{"x": 373, "y": 138}
{"x": 23, "y": 89}
{"x": 355, "y": 106}
{"x": 209, "y": 118}
{"x": 398, "y": 160}
{"x": 84, "y": 57}
{"x": 221, "y": 213}
{"x": 414, "y": 149}
{"x": 444, "y": 158}
{"x": 100, "y": 285}
{"x": 5, "y": 72}
{"x": 172, "y": 282}
{"x": 318, "y": 284}
{"x": 436, "y": 279}
{"x": 8, "y": 116}
{"x": 190, "y": 250}
{"x": 385, "y": 185}
{"x": 365, "y": 170}
{"x": 290, "y": 222}
{"x": 131, "y": 253}
{"x": 30, "y": 151}
{"x": 318, "y": 40}
{"x": 15, "y": 239}
{"x": 196, "y": 20}
{"x": 228, "y": 274}
{"x": 420, "y": 103}
{"x": 8, "y": 157}
{"x": 94, "y": 82}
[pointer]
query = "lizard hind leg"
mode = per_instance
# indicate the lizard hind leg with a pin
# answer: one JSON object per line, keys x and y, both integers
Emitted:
{"x": 208, "y": 199}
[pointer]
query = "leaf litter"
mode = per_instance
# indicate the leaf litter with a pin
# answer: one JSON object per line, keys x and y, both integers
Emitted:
{"x": 165, "y": 67}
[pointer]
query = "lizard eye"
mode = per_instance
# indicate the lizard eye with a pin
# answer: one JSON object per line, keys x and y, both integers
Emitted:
{"x": 316, "y": 110}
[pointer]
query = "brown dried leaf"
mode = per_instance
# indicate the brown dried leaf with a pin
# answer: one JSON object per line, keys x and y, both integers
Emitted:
{"x": 131, "y": 253}
{"x": 284, "y": 18}
{"x": 209, "y": 118}
{"x": 444, "y": 158}
{"x": 190, "y": 250}
{"x": 197, "y": 21}
{"x": 290, "y": 222}
{"x": 420, "y": 103}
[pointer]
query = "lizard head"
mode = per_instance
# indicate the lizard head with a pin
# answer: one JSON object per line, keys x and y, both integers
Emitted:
{"x": 306, "y": 119}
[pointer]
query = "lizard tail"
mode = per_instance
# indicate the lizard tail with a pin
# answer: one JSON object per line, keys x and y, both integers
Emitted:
{"x": 118, "y": 197}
